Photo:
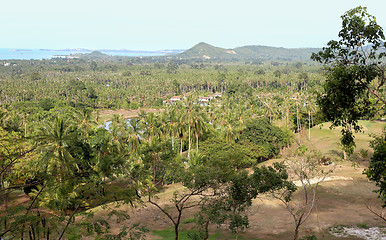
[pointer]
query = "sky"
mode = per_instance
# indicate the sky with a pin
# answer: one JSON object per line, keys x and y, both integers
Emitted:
{"x": 174, "y": 24}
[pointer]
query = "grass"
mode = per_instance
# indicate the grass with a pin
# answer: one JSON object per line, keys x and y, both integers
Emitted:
{"x": 189, "y": 220}
{"x": 363, "y": 225}
{"x": 168, "y": 234}
{"x": 328, "y": 140}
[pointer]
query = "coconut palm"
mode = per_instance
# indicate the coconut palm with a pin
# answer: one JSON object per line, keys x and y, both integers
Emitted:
{"x": 57, "y": 138}
{"x": 84, "y": 121}
{"x": 187, "y": 118}
{"x": 270, "y": 105}
{"x": 151, "y": 128}
{"x": 172, "y": 124}
{"x": 134, "y": 130}
{"x": 199, "y": 123}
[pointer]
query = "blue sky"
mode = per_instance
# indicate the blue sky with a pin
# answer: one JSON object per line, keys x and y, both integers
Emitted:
{"x": 174, "y": 24}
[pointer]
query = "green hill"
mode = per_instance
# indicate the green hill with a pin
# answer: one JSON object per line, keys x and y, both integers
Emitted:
{"x": 207, "y": 51}
{"x": 95, "y": 55}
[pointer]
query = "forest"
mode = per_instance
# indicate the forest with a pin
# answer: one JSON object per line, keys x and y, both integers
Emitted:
{"x": 214, "y": 136}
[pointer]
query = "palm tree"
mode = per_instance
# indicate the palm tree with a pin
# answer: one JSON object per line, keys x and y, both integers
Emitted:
{"x": 199, "y": 123}
{"x": 164, "y": 126}
{"x": 187, "y": 118}
{"x": 151, "y": 128}
{"x": 270, "y": 105}
{"x": 134, "y": 134}
{"x": 56, "y": 139}
{"x": 181, "y": 129}
{"x": 172, "y": 124}
{"x": 311, "y": 107}
{"x": 84, "y": 121}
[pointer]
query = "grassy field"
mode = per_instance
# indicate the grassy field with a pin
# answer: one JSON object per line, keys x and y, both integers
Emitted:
{"x": 341, "y": 202}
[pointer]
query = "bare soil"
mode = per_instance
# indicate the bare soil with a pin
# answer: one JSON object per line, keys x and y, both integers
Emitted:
{"x": 106, "y": 115}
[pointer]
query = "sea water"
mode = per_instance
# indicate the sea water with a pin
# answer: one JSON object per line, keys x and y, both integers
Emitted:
{"x": 28, "y": 54}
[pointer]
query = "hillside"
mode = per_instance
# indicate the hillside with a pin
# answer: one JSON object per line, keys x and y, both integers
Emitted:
{"x": 253, "y": 52}
{"x": 94, "y": 55}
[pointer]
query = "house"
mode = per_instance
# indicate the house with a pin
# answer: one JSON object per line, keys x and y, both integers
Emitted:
{"x": 204, "y": 99}
{"x": 175, "y": 99}
{"x": 217, "y": 94}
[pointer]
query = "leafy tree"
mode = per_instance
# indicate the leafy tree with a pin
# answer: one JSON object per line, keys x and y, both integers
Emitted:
{"x": 355, "y": 73}
{"x": 235, "y": 191}
{"x": 277, "y": 73}
{"x": 47, "y": 104}
{"x": 240, "y": 155}
{"x": 34, "y": 76}
{"x": 377, "y": 170}
{"x": 197, "y": 181}
{"x": 262, "y": 133}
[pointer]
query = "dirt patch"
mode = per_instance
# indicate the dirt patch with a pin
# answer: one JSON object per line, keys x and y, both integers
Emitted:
{"x": 322, "y": 179}
{"x": 106, "y": 115}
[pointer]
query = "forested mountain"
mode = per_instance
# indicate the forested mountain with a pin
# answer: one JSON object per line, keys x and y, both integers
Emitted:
{"x": 207, "y": 51}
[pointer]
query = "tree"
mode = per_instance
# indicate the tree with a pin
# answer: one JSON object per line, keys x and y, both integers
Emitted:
{"x": 355, "y": 73}
{"x": 377, "y": 169}
{"x": 197, "y": 181}
{"x": 199, "y": 124}
{"x": 306, "y": 172}
{"x": 235, "y": 191}
{"x": 14, "y": 152}
{"x": 271, "y": 139}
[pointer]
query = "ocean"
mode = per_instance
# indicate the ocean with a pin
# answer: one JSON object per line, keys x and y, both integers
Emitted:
{"x": 28, "y": 54}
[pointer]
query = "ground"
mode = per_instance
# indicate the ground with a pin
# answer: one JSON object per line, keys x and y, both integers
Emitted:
{"x": 107, "y": 115}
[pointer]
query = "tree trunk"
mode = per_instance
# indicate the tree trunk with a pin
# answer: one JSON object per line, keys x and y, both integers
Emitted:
{"x": 181, "y": 146}
{"x": 287, "y": 113}
{"x": 189, "y": 142}
{"x": 296, "y": 235}
{"x": 309, "y": 125}
{"x": 197, "y": 143}
{"x": 176, "y": 231}
{"x": 206, "y": 230}
{"x": 297, "y": 121}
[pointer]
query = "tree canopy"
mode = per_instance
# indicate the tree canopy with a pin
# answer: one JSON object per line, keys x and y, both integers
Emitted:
{"x": 355, "y": 73}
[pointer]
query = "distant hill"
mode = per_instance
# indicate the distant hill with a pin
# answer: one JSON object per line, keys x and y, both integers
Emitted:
{"x": 207, "y": 51}
{"x": 94, "y": 55}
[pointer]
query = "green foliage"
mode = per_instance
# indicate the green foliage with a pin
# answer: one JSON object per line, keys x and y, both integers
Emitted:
{"x": 235, "y": 154}
{"x": 161, "y": 160}
{"x": 269, "y": 138}
{"x": 377, "y": 169}
{"x": 234, "y": 194}
{"x": 34, "y": 76}
{"x": 47, "y": 104}
{"x": 355, "y": 74}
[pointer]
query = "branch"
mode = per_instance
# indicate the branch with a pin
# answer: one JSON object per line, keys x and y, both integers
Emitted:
{"x": 68, "y": 222}
{"x": 13, "y": 160}
{"x": 162, "y": 210}
{"x": 381, "y": 215}
{"x": 37, "y": 195}
{"x": 373, "y": 92}
{"x": 376, "y": 94}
